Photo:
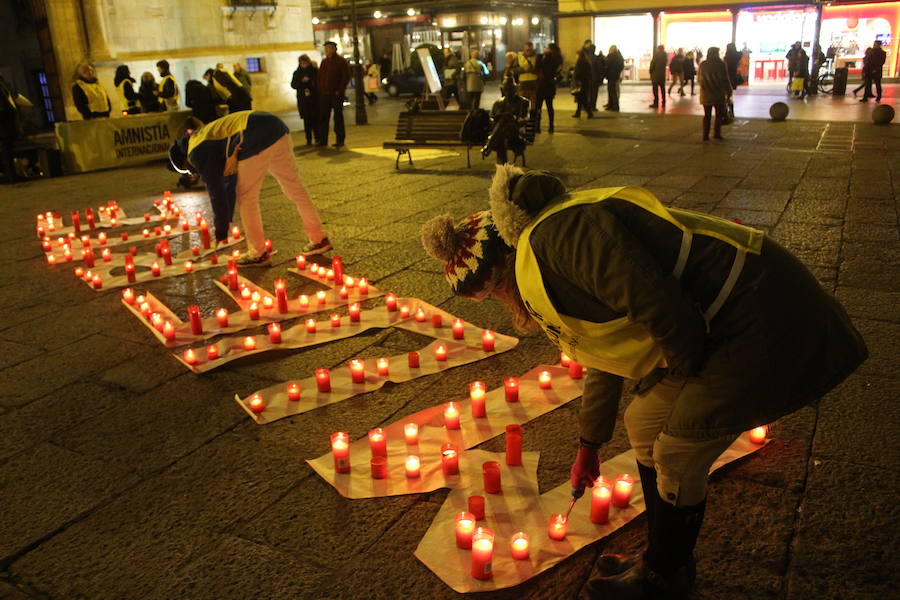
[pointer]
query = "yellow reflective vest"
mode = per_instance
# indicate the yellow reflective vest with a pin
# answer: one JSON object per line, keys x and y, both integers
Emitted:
{"x": 622, "y": 346}
{"x": 98, "y": 100}
{"x": 171, "y": 103}
{"x": 124, "y": 102}
{"x": 224, "y": 129}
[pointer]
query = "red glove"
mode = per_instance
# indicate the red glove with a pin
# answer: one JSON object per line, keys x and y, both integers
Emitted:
{"x": 585, "y": 469}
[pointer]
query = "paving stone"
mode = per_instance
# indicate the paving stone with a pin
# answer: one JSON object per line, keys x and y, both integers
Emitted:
{"x": 883, "y": 340}
{"x": 755, "y": 199}
{"x": 753, "y": 218}
{"x": 870, "y": 274}
{"x": 880, "y": 305}
{"x": 715, "y": 185}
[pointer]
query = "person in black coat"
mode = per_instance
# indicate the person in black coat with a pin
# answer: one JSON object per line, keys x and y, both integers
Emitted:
{"x": 128, "y": 98}
{"x": 732, "y": 59}
{"x": 9, "y": 130}
{"x": 148, "y": 94}
{"x": 304, "y": 81}
{"x": 548, "y": 65}
{"x": 584, "y": 78}
{"x": 615, "y": 64}
{"x": 198, "y": 98}
{"x": 689, "y": 68}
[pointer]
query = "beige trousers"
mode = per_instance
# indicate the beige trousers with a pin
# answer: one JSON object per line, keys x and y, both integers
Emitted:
{"x": 682, "y": 464}
{"x": 277, "y": 159}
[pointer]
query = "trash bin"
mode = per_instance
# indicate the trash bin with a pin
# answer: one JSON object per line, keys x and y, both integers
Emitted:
{"x": 840, "y": 81}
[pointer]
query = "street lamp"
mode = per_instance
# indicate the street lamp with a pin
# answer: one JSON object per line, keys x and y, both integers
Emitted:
{"x": 377, "y": 14}
{"x": 410, "y": 12}
{"x": 361, "y": 117}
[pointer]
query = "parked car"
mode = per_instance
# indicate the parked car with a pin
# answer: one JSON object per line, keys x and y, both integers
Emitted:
{"x": 403, "y": 82}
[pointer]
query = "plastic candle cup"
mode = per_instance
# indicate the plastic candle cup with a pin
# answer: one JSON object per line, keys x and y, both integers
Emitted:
{"x": 421, "y": 317}
{"x": 157, "y": 231}
{"x": 482, "y": 553}
{"x": 558, "y": 526}
{"x": 340, "y": 450}
{"x": 79, "y": 272}
{"x": 491, "y": 474}
{"x": 101, "y": 237}
{"x": 450, "y": 459}
{"x": 349, "y": 282}
{"x": 256, "y": 403}
{"x": 337, "y": 266}
{"x": 281, "y": 295}
{"x": 253, "y": 309}
{"x": 601, "y": 495}
{"x": 465, "y": 527}
{"x": 404, "y": 312}
{"x": 459, "y": 329}
{"x": 476, "y": 507}
{"x": 357, "y": 371}
{"x": 168, "y": 331}
{"x": 383, "y": 365}
{"x": 344, "y": 293}
{"x": 274, "y": 333}
{"x": 51, "y": 260}
{"x": 222, "y": 316}
{"x": 514, "y": 445}
{"x": 154, "y": 268}
{"x": 249, "y": 343}
{"x": 518, "y": 545}
{"x": 390, "y": 300}
{"x": 476, "y": 394}
{"x": 363, "y": 287}
{"x": 188, "y": 266}
{"x": 378, "y": 442}
{"x": 145, "y": 233}
{"x": 314, "y": 268}
{"x": 545, "y": 380}
{"x": 195, "y": 319}
{"x": 451, "y": 416}
{"x": 621, "y": 494}
{"x": 97, "y": 282}
{"x": 310, "y": 326}
{"x": 335, "y": 320}
{"x": 236, "y": 232}
{"x": 128, "y": 295}
{"x": 67, "y": 254}
{"x": 212, "y": 352}
{"x": 487, "y": 340}
{"x": 329, "y": 274}
{"x": 190, "y": 357}
{"x": 293, "y": 392}
{"x": 379, "y": 467}
{"x": 413, "y": 359}
{"x": 758, "y": 434}
{"x": 255, "y": 296}
{"x": 576, "y": 370}
{"x": 301, "y": 262}
{"x": 323, "y": 380}
{"x": 564, "y": 359}
{"x": 511, "y": 385}
{"x": 304, "y": 302}
{"x": 320, "y": 298}
{"x": 233, "y": 279}
{"x": 437, "y": 321}
{"x": 354, "y": 312}
{"x": 106, "y": 255}
{"x": 412, "y": 466}
{"x": 440, "y": 353}
{"x": 411, "y": 434}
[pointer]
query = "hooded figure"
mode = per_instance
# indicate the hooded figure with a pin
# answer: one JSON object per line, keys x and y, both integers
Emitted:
{"x": 721, "y": 327}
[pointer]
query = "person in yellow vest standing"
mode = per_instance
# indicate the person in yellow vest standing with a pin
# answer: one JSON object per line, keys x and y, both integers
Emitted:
{"x": 89, "y": 96}
{"x": 128, "y": 97}
{"x": 722, "y": 328}
{"x": 168, "y": 87}
{"x": 526, "y": 69}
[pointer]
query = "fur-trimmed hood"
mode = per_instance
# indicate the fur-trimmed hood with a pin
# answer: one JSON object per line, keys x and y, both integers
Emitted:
{"x": 516, "y": 197}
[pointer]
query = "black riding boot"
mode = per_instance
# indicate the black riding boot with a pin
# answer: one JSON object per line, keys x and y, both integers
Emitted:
{"x": 613, "y": 564}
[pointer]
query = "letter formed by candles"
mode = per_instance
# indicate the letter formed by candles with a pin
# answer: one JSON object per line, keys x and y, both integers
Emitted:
{"x": 491, "y": 473}
{"x": 477, "y": 396}
{"x": 340, "y": 450}
{"x": 558, "y": 526}
{"x": 465, "y": 527}
{"x": 622, "y": 487}
{"x": 514, "y": 445}
{"x": 482, "y": 553}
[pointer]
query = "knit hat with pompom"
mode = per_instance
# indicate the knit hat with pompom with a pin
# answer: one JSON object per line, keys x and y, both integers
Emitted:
{"x": 469, "y": 249}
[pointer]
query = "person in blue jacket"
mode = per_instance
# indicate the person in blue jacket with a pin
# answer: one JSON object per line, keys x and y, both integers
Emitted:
{"x": 232, "y": 155}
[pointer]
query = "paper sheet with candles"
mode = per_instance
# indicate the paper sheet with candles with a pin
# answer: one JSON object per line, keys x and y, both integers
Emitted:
{"x": 522, "y": 508}
{"x": 113, "y": 240}
{"x": 533, "y": 402}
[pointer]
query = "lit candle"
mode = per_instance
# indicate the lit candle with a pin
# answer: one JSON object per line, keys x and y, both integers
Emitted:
{"x": 212, "y": 352}
{"x": 491, "y": 474}
{"x": 514, "y": 445}
{"x": 304, "y": 302}
{"x": 101, "y": 237}
{"x": 544, "y": 380}
{"x": 129, "y": 268}
{"x": 89, "y": 214}
{"x": 97, "y": 282}
{"x": 79, "y": 272}
{"x": 450, "y": 459}
{"x": 758, "y": 434}
{"x": 329, "y": 274}
{"x": 128, "y": 296}
{"x": 188, "y": 266}
{"x": 482, "y": 553}
{"x": 378, "y": 442}
{"x": 236, "y": 232}
{"x": 600, "y": 499}
{"x": 106, "y": 255}
{"x": 256, "y": 403}
{"x": 511, "y": 385}
{"x": 310, "y": 326}
{"x": 576, "y": 370}
{"x": 293, "y": 392}
{"x": 465, "y": 527}
{"x": 413, "y": 359}
{"x": 437, "y": 321}
{"x": 320, "y": 297}
{"x": 88, "y": 255}
{"x": 383, "y": 366}
{"x": 255, "y": 296}
{"x": 274, "y": 333}
{"x": 281, "y": 295}
{"x": 476, "y": 507}
{"x": 267, "y": 302}
{"x": 67, "y": 254}
{"x": 222, "y": 316}
{"x": 254, "y": 311}
{"x": 301, "y": 262}
{"x": 344, "y": 293}
{"x": 390, "y": 300}
{"x": 451, "y": 415}
{"x": 190, "y": 357}
{"x": 154, "y": 268}
{"x": 518, "y": 545}
{"x": 195, "y": 319}
{"x": 340, "y": 450}
{"x": 363, "y": 287}
{"x": 440, "y": 353}
{"x": 168, "y": 331}
{"x": 145, "y": 232}
{"x": 335, "y": 320}
{"x": 557, "y": 529}
{"x": 185, "y": 226}
{"x": 249, "y": 343}
{"x": 337, "y": 266}
{"x": 204, "y": 234}
{"x": 379, "y": 467}
{"x": 323, "y": 380}
{"x": 621, "y": 494}
{"x": 404, "y": 312}
{"x": 76, "y": 221}
{"x": 476, "y": 394}
{"x": 268, "y": 245}
{"x": 357, "y": 371}
{"x": 421, "y": 317}
{"x": 459, "y": 329}
{"x": 51, "y": 259}
{"x": 354, "y": 311}
{"x": 411, "y": 434}
{"x": 487, "y": 340}
{"x": 412, "y": 466}
{"x": 167, "y": 229}
{"x": 314, "y": 268}
{"x": 349, "y": 282}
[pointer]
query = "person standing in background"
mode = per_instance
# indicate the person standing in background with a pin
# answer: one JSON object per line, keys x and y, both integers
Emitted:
{"x": 658, "y": 75}
{"x": 128, "y": 98}
{"x": 715, "y": 90}
{"x": 244, "y": 77}
{"x": 873, "y": 65}
{"x": 148, "y": 94}
{"x": 733, "y": 58}
{"x": 583, "y": 75}
{"x": 168, "y": 87}
{"x": 199, "y": 99}
{"x": 615, "y": 64}
{"x": 475, "y": 71}
{"x": 9, "y": 131}
{"x": 548, "y": 66}
{"x": 372, "y": 79}
{"x": 526, "y": 63}
{"x": 331, "y": 81}
{"x": 676, "y": 70}
{"x": 90, "y": 98}
{"x": 304, "y": 81}
{"x": 451, "y": 76}
{"x": 689, "y": 70}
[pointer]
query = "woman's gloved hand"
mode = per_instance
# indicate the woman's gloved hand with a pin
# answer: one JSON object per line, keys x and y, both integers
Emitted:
{"x": 585, "y": 469}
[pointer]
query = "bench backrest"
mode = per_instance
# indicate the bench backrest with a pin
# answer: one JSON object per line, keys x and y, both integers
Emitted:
{"x": 431, "y": 126}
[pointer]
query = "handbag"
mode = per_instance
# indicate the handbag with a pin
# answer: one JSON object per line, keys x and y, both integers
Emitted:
{"x": 728, "y": 117}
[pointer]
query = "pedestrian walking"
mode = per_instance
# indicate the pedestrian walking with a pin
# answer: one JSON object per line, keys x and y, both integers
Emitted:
{"x": 475, "y": 71}
{"x": 243, "y": 77}
{"x": 88, "y": 94}
{"x": 658, "y": 64}
{"x": 676, "y": 70}
{"x": 689, "y": 69}
{"x": 198, "y": 98}
{"x": 615, "y": 64}
{"x": 304, "y": 82}
{"x": 583, "y": 76}
{"x": 129, "y": 102}
{"x": 548, "y": 65}
{"x": 719, "y": 341}
{"x": 715, "y": 91}
{"x": 232, "y": 155}
{"x": 168, "y": 87}
{"x": 331, "y": 83}
{"x": 733, "y": 59}
{"x": 370, "y": 70}
{"x": 452, "y": 70}
{"x": 148, "y": 94}
{"x": 873, "y": 65}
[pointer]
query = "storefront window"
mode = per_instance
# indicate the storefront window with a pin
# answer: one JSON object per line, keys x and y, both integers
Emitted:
{"x": 633, "y": 34}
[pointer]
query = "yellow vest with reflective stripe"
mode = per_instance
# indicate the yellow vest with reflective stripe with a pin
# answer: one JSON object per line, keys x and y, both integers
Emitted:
{"x": 222, "y": 129}
{"x": 124, "y": 102}
{"x": 621, "y": 346}
{"x": 221, "y": 89}
{"x": 98, "y": 100}
{"x": 173, "y": 101}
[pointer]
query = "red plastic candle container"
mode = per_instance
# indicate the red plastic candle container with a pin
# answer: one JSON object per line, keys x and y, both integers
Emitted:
{"x": 363, "y": 286}
{"x": 482, "y": 553}
{"x": 304, "y": 302}
{"x": 253, "y": 310}
{"x": 477, "y": 396}
{"x": 168, "y": 331}
{"x": 465, "y": 527}
{"x": 514, "y": 445}
{"x": 357, "y": 371}
{"x": 106, "y": 255}
{"x": 383, "y": 366}
{"x": 601, "y": 495}
{"x": 451, "y": 415}
{"x": 97, "y": 282}
{"x": 390, "y": 301}
{"x": 450, "y": 459}
{"x": 154, "y": 268}
{"x": 190, "y": 357}
{"x": 301, "y": 262}
{"x": 222, "y": 316}
{"x": 379, "y": 467}
{"x": 354, "y": 312}
{"x": 212, "y": 352}
{"x": 249, "y": 343}
{"x": 310, "y": 326}
{"x": 335, "y": 321}
{"x": 511, "y": 385}
{"x": 488, "y": 341}
{"x": 413, "y": 467}
{"x": 413, "y": 359}
{"x": 128, "y": 296}
{"x": 421, "y": 317}
{"x": 545, "y": 380}
{"x": 323, "y": 380}
{"x": 340, "y": 450}
{"x": 281, "y": 295}
{"x": 321, "y": 299}
{"x": 411, "y": 434}
{"x": 378, "y": 442}
{"x": 491, "y": 473}
{"x": 558, "y": 525}
{"x": 344, "y": 293}
{"x": 274, "y": 333}
{"x": 440, "y": 353}
{"x": 459, "y": 329}
{"x": 293, "y": 392}
{"x": 621, "y": 494}
{"x": 476, "y": 507}
{"x": 437, "y": 321}
{"x": 518, "y": 545}
{"x": 195, "y": 319}
{"x": 188, "y": 266}
{"x": 256, "y": 403}
{"x": 758, "y": 435}
{"x": 576, "y": 370}
{"x": 337, "y": 265}
{"x": 404, "y": 312}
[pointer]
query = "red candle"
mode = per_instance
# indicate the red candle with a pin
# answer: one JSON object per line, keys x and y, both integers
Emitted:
{"x": 335, "y": 320}
{"x": 511, "y": 385}
{"x": 622, "y": 487}
{"x": 383, "y": 366}
{"x": 256, "y": 403}
{"x": 301, "y": 262}
{"x": 600, "y": 499}
{"x": 154, "y": 268}
{"x": 329, "y": 274}
{"x": 157, "y": 230}
{"x": 440, "y": 353}
{"x": 101, "y": 237}
{"x": 106, "y": 255}
{"x": 124, "y": 236}
{"x": 212, "y": 352}
{"x": 576, "y": 370}
{"x": 412, "y": 467}
{"x": 129, "y": 268}
{"x": 459, "y": 329}
{"x": 411, "y": 434}
{"x": 46, "y": 245}
{"x": 491, "y": 474}
{"x": 421, "y": 317}
{"x": 482, "y": 553}
{"x": 145, "y": 232}
{"x": 465, "y": 527}
{"x": 89, "y": 215}
{"x": 349, "y": 282}
{"x": 51, "y": 259}
{"x": 451, "y": 415}
{"x": 281, "y": 295}
{"x": 450, "y": 459}
{"x": 354, "y": 311}
{"x": 363, "y": 287}
{"x": 204, "y": 234}
{"x": 256, "y": 296}
{"x": 337, "y": 265}
{"x": 167, "y": 229}
{"x": 323, "y": 380}
{"x": 476, "y": 394}
{"x": 293, "y": 392}
{"x": 514, "y": 445}
{"x": 390, "y": 300}
{"x": 190, "y": 357}
{"x": 758, "y": 434}
{"x": 320, "y": 297}
{"x": 249, "y": 343}
{"x": 67, "y": 254}
{"x": 195, "y": 250}
{"x": 413, "y": 359}
{"x": 79, "y": 272}
{"x": 236, "y": 232}
{"x": 97, "y": 282}
{"x": 378, "y": 442}
{"x": 357, "y": 371}
{"x": 185, "y": 226}
{"x": 196, "y": 319}
{"x": 232, "y": 275}
{"x": 558, "y": 526}
{"x": 188, "y": 266}
{"x": 274, "y": 333}
{"x": 404, "y": 312}
{"x": 88, "y": 255}
{"x": 344, "y": 293}
{"x": 310, "y": 326}
{"x": 304, "y": 302}
{"x": 254, "y": 311}
{"x": 476, "y": 507}
{"x": 379, "y": 467}
{"x": 487, "y": 340}
{"x": 147, "y": 217}
{"x": 168, "y": 331}
{"x": 222, "y": 316}
{"x": 544, "y": 380}
{"x": 518, "y": 545}
{"x": 128, "y": 296}
{"x": 76, "y": 221}
{"x": 340, "y": 450}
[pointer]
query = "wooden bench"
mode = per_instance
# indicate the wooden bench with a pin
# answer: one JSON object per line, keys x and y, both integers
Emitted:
{"x": 429, "y": 129}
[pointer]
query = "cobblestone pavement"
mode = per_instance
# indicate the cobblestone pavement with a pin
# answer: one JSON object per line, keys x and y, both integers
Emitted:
{"x": 122, "y": 476}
